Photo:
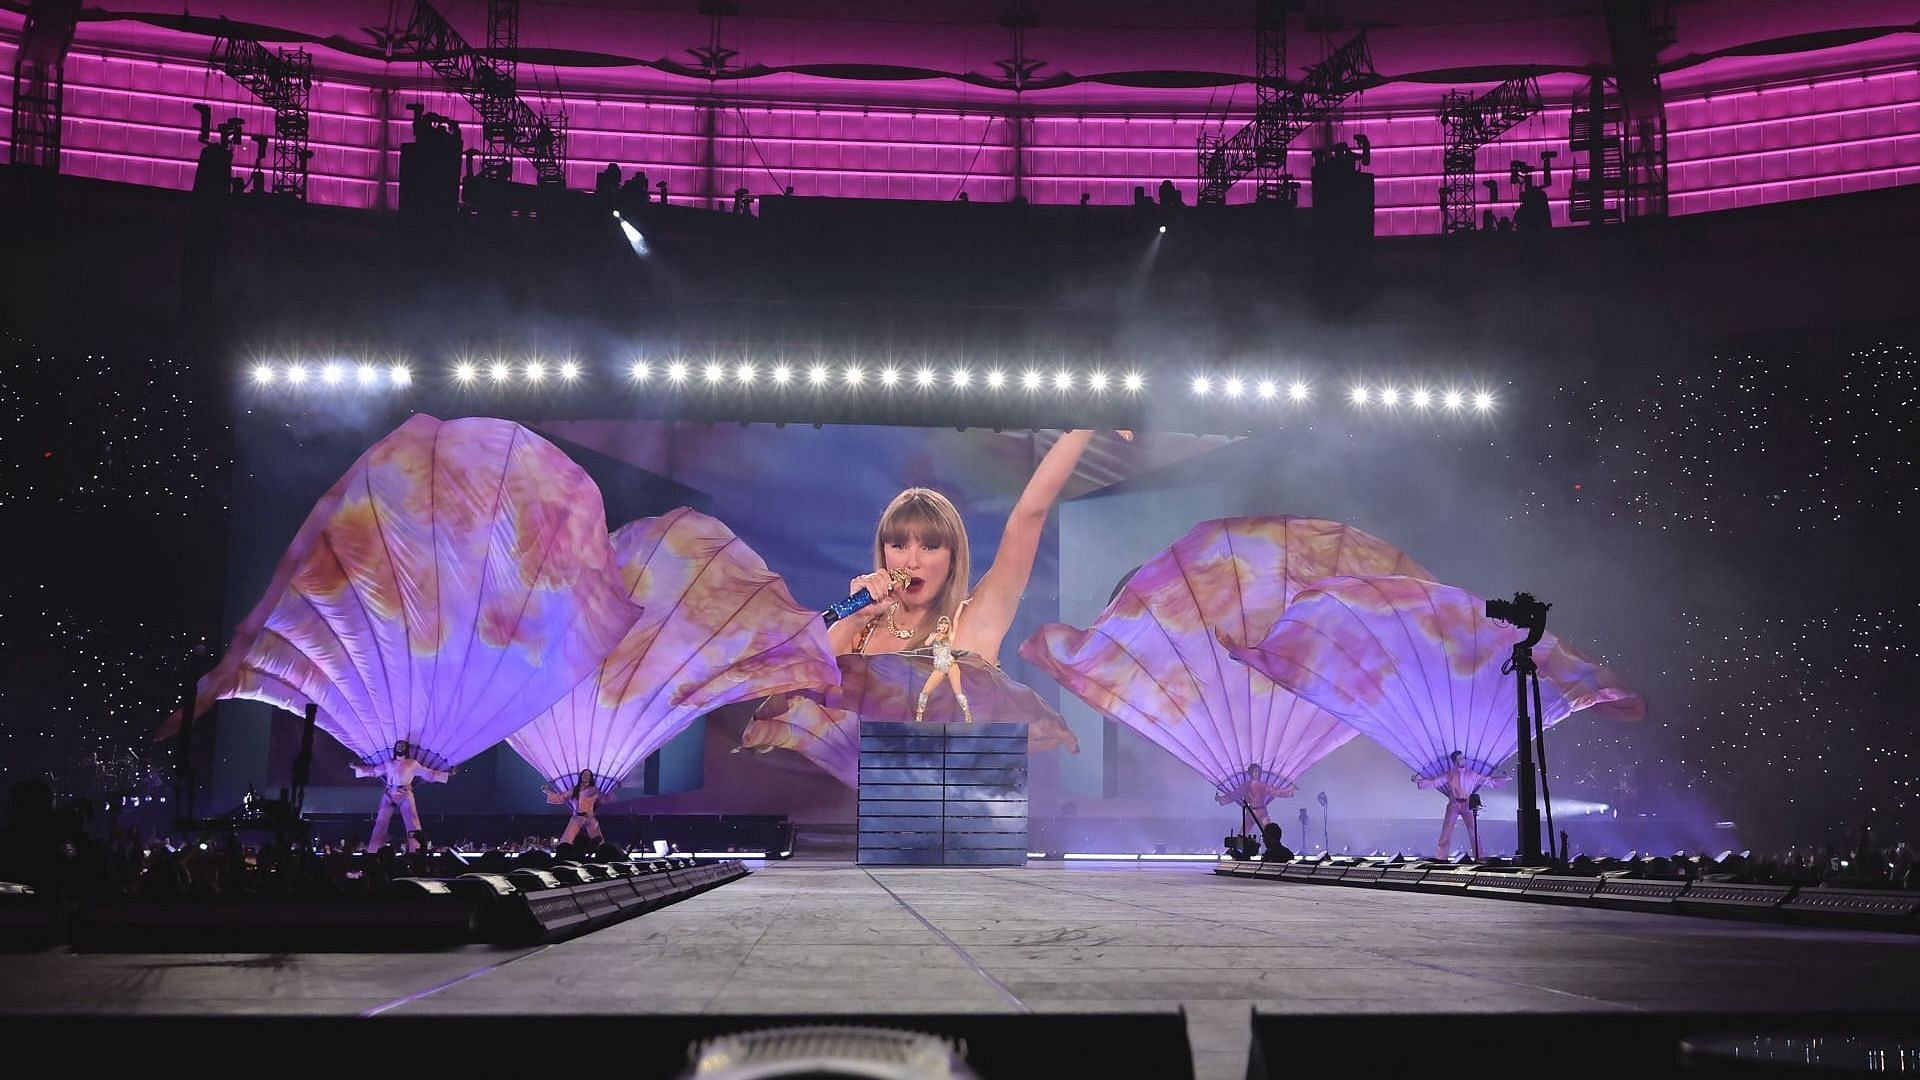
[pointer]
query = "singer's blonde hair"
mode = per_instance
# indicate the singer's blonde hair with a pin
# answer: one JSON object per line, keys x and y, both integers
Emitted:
{"x": 930, "y": 516}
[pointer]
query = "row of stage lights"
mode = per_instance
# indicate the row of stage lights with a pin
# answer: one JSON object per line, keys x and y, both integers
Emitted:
{"x": 678, "y": 374}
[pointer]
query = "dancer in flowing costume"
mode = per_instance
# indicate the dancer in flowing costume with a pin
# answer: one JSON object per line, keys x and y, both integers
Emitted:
{"x": 398, "y": 773}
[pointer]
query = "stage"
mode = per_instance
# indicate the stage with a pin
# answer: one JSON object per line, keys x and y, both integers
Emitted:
{"x": 832, "y": 937}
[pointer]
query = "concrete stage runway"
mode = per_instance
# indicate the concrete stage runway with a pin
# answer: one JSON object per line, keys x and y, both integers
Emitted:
{"x": 832, "y": 937}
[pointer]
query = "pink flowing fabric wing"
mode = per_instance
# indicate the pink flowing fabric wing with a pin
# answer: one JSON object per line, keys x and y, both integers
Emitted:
{"x": 826, "y": 726}
{"x": 454, "y": 583}
{"x": 719, "y": 627}
{"x": 801, "y": 724}
{"x": 1415, "y": 666}
{"x": 1154, "y": 661}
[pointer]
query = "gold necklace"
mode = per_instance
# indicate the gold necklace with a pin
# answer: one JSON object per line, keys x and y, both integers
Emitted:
{"x": 894, "y": 627}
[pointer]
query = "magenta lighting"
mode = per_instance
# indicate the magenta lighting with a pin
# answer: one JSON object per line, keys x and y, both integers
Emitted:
{"x": 1741, "y": 132}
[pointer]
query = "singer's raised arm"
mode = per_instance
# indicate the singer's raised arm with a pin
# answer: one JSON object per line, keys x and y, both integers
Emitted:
{"x": 990, "y": 609}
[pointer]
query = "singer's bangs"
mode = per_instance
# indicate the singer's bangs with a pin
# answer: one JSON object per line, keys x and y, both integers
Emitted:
{"x": 917, "y": 517}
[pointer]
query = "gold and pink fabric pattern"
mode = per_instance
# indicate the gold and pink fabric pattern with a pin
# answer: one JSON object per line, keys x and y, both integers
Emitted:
{"x": 1154, "y": 660}
{"x": 1415, "y": 666}
{"x": 719, "y": 628}
{"x": 454, "y": 583}
{"x": 825, "y": 726}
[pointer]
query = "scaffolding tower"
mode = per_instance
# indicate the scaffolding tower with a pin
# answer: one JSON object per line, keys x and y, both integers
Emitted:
{"x": 1260, "y": 148}
{"x": 490, "y": 83}
{"x": 1470, "y": 123}
{"x": 282, "y": 81}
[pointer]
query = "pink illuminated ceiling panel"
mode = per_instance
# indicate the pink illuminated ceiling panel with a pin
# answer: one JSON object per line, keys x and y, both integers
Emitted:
{"x": 130, "y": 119}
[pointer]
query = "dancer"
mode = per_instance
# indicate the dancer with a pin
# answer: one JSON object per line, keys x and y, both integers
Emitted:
{"x": 943, "y": 667}
{"x": 583, "y": 798}
{"x": 1460, "y": 783}
{"x": 398, "y": 773}
{"x": 1254, "y": 790}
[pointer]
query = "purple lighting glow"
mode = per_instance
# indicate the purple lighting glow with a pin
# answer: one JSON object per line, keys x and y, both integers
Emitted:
{"x": 1823, "y": 134}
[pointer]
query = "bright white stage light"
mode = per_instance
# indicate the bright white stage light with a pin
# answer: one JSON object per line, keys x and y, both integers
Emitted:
{"x": 1421, "y": 398}
{"x": 500, "y": 372}
{"x": 1097, "y": 382}
{"x": 1359, "y": 395}
{"x": 889, "y": 377}
{"x": 1134, "y": 382}
{"x": 962, "y": 378}
{"x": 569, "y": 370}
{"x": 1389, "y": 396}
{"x": 817, "y": 375}
{"x": 852, "y": 375}
{"x": 1030, "y": 379}
{"x": 1163, "y": 228}
{"x": 296, "y": 374}
{"x": 678, "y": 372}
{"x": 536, "y": 371}
{"x": 1202, "y": 386}
{"x": 465, "y": 372}
{"x": 366, "y": 375}
{"x": 996, "y": 379}
{"x": 1233, "y": 386}
{"x": 924, "y": 377}
{"x": 782, "y": 374}
{"x": 399, "y": 375}
{"x": 1483, "y": 401}
{"x": 638, "y": 371}
{"x": 745, "y": 373}
{"x": 1063, "y": 379}
{"x": 634, "y": 240}
{"x": 331, "y": 374}
{"x": 1267, "y": 390}
{"x": 263, "y": 374}
{"x": 715, "y": 373}
{"x": 1454, "y": 399}
{"x": 1298, "y": 391}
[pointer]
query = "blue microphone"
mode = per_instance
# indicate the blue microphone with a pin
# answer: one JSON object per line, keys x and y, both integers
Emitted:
{"x": 901, "y": 579}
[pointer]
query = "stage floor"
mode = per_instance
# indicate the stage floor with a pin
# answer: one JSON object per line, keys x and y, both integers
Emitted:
{"x": 836, "y": 938}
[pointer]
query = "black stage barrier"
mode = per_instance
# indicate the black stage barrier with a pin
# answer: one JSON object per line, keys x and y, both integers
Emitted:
{"x": 997, "y": 1047}
{"x": 1440, "y": 1046}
